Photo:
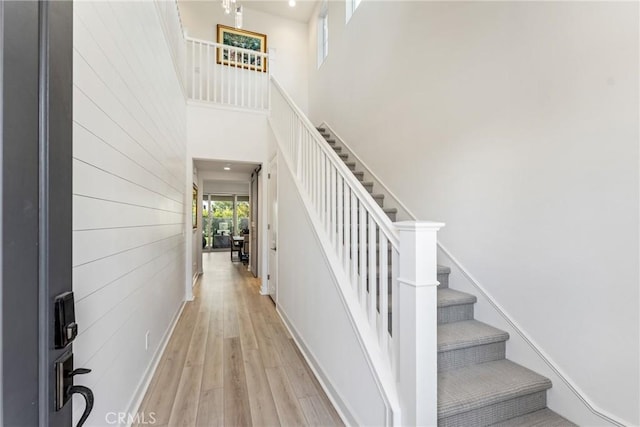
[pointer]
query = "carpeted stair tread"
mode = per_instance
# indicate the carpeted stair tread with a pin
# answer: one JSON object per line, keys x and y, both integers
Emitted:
{"x": 448, "y": 297}
{"x": 443, "y": 269}
{"x": 542, "y": 418}
{"x": 390, "y": 210}
{"x": 467, "y": 333}
{"x": 477, "y": 386}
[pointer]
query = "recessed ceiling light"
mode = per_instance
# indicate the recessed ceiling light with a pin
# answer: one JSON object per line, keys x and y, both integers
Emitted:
{"x": 292, "y": 3}
{"x": 227, "y": 168}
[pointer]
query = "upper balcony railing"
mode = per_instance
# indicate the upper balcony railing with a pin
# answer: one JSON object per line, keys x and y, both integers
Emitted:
{"x": 227, "y": 75}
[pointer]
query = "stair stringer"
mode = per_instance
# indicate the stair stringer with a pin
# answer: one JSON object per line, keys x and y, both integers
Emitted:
{"x": 566, "y": 396}
{"x": 378, "y": 366}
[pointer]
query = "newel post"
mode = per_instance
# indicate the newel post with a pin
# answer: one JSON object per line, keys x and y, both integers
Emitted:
{"x": 417, "y": 323}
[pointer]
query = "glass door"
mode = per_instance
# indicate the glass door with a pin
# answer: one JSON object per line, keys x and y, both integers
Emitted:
{"x": 222, "y": 225}
{"x": 223, "y": 216}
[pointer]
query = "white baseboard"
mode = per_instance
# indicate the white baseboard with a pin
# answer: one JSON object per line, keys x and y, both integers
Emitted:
{"x": 338, "y": 403}
{"x": 143, "y": 386}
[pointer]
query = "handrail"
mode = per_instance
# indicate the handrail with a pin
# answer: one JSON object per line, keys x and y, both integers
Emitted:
{"x": 383, "y": 220}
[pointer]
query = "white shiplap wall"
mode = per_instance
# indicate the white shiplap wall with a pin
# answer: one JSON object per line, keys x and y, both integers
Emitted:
{"x": 128, "y": 197}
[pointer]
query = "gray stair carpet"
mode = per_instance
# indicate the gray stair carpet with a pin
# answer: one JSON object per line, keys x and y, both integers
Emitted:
{"x": 477, "y": 385}
{"x": 542, "y": 418}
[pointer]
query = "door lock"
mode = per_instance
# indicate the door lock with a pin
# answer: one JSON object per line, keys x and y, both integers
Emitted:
{"x": 66, "y": 329}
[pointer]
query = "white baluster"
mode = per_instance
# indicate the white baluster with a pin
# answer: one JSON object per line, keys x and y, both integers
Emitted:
{"x": 340, "y": 214}
{"x": 346, "y": 211}
{"x": 354, "y": 240}
{"x": 200, "y": 73}
{"x": 395, "y": 263}
{"x": 373, "y": 273}
{"x": 363, "y": 255}
{"x": 236, "y": 72}
{"x": 383, "y": 262}
{"x": 208, "y": 72}
{"x": 193, "y": 70}
{"x": 215, "y": 74}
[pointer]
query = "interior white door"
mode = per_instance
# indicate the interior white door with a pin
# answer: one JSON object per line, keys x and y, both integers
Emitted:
{"x": 272, "y": 177}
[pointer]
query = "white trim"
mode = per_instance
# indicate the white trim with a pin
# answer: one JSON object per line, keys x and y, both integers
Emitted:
{"x": 144, "y": 383}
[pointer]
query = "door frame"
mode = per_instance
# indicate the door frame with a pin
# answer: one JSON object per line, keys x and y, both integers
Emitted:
{"x": 36, "y": 204}
{"x": 272, "y": 227}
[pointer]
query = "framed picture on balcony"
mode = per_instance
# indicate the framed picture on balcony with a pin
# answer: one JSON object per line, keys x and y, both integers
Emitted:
{"x": 246, "y": 48}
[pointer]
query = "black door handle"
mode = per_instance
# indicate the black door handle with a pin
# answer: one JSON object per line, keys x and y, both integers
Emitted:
{"x": 88, "y": 400}
{"x": 84, "y": 391}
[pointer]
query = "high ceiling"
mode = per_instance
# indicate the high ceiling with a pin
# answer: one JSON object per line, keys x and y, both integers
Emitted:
{"x": 300, "y": 12}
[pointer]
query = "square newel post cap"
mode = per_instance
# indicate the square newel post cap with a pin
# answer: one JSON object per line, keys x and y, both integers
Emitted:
{"x": 418, "y": 225}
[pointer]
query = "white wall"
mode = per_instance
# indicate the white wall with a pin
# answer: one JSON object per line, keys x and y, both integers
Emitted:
{"x": 128, "y": 197}
{"x": 237, "y": 136}
{"x": 516, "y": 123}
{"x": 309, "y": 300}
{"x": 286, "y": 40}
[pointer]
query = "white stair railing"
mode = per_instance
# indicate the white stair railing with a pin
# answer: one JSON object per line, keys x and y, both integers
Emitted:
{"x": 391, "y": 267}
{"x": 227, "y": 75}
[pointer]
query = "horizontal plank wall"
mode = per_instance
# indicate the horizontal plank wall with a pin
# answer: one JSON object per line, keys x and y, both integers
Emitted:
{"x": 128, "y": 197}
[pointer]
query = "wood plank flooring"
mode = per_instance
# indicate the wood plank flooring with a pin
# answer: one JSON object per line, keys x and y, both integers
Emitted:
{"x": 231, "y": 362}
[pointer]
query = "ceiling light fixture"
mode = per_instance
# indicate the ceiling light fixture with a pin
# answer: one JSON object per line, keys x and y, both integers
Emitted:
{"x": 239, "y": 17}
{"x": 292, "y": 3}
{"x": 227, "y": 168}
{"x": 229, "y": 5}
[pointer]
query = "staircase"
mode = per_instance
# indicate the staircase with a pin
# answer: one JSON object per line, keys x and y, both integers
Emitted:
{"x": 477, "y": 386}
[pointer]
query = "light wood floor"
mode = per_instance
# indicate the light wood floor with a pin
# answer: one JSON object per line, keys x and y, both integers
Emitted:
{"x": 231, "y": 362}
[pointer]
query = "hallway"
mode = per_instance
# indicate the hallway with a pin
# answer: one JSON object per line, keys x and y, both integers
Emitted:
{"x": 231, "y": 362}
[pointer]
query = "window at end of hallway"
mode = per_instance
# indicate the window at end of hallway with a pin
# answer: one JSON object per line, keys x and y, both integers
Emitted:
{"x": 323, "y": 33}
{"x": 352, "y": 5}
